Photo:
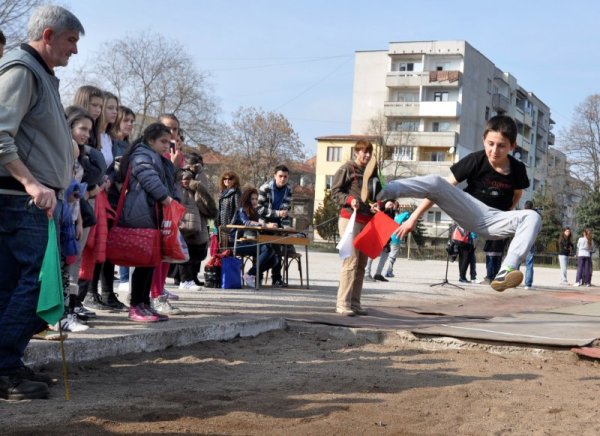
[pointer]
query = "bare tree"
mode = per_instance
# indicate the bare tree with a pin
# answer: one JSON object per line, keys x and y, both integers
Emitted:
{"x": 13, "y": 18}
{"x": 153, "y": 75}
{"x": 258, "y": 141}
{"x": 581, "y": 142}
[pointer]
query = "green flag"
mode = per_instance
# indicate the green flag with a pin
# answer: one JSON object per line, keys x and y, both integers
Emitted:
{"x": 51, "y": 301}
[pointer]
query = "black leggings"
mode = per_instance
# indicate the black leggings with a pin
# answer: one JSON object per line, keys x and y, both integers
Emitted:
{"x": 141, "y": 282}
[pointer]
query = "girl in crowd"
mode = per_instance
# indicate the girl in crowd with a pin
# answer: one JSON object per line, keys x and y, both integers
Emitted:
{"x": 90, "y": 169}
{"x": 565, "y": 249}
{"x": 121, "y": 131}
{"x": 229, "y": 198}
{"x": 585, "y": 248}
{"x": 152, "y": 181}
{"x": 90, "y": 99}
{"x": 200, "y": 208}
{"x": 104, "y": 272}
{"x": 247, "y": 215}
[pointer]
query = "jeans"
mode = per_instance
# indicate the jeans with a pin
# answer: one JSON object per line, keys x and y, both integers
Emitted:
{"x": 123, "y": 274}
{"x": 563, "y": 261}
{"x": 492, "y": 266}
{"x": 394, "y": 248}
{"x": 584, "y": 270}
{"x": 529, "y": 269}
{"x": 472, "y": 214}
{"x": 23, "y": 239}
{"x": 382, "y": 260}
{"x": 267, "y": 258}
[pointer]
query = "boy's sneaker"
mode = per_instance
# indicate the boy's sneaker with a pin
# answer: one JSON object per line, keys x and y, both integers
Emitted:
{"x": 161, "y": 305}
{"x": 507, "y": 278}
{"x": 184, "y": 286}
{"x": 112, "y": 301}
{"x": 71, "y": 324}
{"x": 93, "y": 302}
{"x": 380, "y": 278}
{"x": 250, "y": 280}
{"x": 17, "y": 387}
{"x": 368, "y": 278}
{"x": 80, "y": 310}
{"x": 389, "y": 275}
{"x": 139, "y": 314}
{"x": 49, "y": 335}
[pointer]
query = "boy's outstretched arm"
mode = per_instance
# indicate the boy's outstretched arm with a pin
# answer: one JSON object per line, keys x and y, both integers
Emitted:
{"x": 411, "y": 223}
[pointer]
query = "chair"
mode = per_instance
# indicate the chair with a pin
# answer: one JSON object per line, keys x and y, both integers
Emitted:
{"x": 287, "y": 259}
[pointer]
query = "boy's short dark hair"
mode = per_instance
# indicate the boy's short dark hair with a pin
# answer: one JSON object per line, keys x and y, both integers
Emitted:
{"x": 281, "y": 168}
{"x": 504, "y": 125}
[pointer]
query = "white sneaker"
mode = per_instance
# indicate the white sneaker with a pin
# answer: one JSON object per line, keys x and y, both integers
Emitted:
{"x": 162, "y": 306}
{"x": 187, "y": 286}
{"x": 250, "y": 280}
{"x": 72, "y": 324}
{"x": 576, "y": 284}
{"x": 124, "y": 287}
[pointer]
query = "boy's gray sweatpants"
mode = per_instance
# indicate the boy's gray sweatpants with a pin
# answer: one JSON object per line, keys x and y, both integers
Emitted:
{"x": 472, "y": 214}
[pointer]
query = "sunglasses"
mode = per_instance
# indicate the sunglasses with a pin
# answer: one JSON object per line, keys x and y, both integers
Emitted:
{"x": 227, "y": 178}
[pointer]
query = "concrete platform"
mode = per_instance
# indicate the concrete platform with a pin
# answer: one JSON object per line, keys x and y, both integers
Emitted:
{"x": 218, "y": 314}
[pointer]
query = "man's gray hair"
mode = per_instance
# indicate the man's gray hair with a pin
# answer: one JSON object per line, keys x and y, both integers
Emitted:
{"x": 54, "y": 17}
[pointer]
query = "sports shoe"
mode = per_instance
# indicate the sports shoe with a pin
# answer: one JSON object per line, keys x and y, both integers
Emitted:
{"x": 49, "y": 335}
{"x": 344, "y": 311}
{"x": 389, "y": 275}
{"x": 380, "y": 278}
{"x": 17, "y": 387}
{"x": 184, "y": 286}
{"x": 139, "y": 314}
{"x": 463, "y": 281}
{"x": 112, "y": 301}
{"x": 250, "y": 280}
{"x": 368, "y": 278}
{"x": 576, "y": 284}
{"x": 93, "y": 302}
{"x": 80, "y": 310}
{"x": 124, "y": 287}
{"x": 279, "y": 283}
{"x": 507, "y": 278}
{"x": 358, "y": 310}
{"x": 71, "y": 324}
{"x": 161, "y": 305}
{"x": 151, "y": 311}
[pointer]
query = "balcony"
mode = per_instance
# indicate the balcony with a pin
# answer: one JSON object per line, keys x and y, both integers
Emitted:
{"x": 551, "y": 138}
{"x": 500, "y": 103}
{"x": 412, "y": 168}
{"x": 407, "y": 79}
{"x": 448, "y": 109}
{"x": 523, "y": 143}
{"x": 401, "y": 109}
{"x": 423, "y": 139}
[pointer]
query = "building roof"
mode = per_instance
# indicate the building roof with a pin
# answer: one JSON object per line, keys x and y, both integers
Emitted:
{"x": 347, "y": 138}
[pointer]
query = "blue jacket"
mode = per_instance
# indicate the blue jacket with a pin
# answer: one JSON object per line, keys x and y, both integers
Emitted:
{"x": 399, "y": 218}
{"x": 152, "y": 180}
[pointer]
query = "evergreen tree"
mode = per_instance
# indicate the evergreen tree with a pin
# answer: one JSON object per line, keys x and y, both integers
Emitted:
{"x": 552, "y": 223}
{"x": 325, "y": 218}
{"x": 588, "y": 213}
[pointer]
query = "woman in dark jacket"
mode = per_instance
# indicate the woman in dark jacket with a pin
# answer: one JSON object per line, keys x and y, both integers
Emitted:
{"x": 151, "y": 181}
{"x": 565, "y": 249}
{"x": 229, "y": 198}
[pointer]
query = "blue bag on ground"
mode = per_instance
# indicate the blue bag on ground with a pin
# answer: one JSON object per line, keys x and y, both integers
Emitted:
{"x": 231, "y": 273}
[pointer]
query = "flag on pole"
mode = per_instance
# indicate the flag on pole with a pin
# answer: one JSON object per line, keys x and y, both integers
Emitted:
{"x": 375, "y": 235}
{"x": 51, "y": 301}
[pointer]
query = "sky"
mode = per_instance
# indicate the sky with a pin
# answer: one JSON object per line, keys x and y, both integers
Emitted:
{"x": 297, "y": 57}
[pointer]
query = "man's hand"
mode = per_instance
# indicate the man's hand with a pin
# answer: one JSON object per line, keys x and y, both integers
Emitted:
{"x": 406, "y": 227}
{"x": 167, "y": 201}
{"x": 283, "y": 213}
{"x": 374, "y": 208}
{"x": 354, "y": 204}
{"x": 43, "y": 197}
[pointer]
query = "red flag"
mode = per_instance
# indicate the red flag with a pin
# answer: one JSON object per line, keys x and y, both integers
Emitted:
{"x": 375, "y": 235}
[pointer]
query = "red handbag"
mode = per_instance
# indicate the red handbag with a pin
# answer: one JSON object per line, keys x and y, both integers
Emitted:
{"x": 127, "y": 246}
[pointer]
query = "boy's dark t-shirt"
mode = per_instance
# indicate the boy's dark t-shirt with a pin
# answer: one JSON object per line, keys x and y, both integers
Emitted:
{"x": 487, "y": 185}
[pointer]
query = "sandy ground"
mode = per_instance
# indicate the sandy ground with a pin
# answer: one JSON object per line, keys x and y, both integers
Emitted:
{"x": 311, "y": 380}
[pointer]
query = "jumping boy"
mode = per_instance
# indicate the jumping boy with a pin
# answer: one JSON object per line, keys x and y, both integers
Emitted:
{"x": 495, "y": 183}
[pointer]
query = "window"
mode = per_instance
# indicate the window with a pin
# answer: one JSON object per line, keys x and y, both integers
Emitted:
{"x": 437, "y": 156}
{"x": 440, "y": 96}
{"x": 441, "y": 126}
{"x": 487, "y": 113}
{"x": 334, "y": 154}
{"x": 406, "y": 97}
{"x": 406, "y": 66}
{"x": 434, "y": 217}
{"x": 328, "y": 182}
{"x": 489, "y": 86}
{"x": 405, "y": 126}
{"x": 403, "y": 153}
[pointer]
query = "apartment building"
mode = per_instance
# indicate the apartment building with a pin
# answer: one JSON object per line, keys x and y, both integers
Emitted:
{"x": 429, "y": 101}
